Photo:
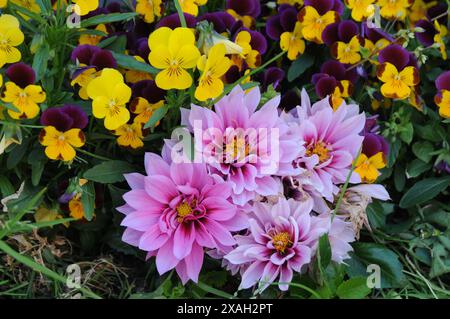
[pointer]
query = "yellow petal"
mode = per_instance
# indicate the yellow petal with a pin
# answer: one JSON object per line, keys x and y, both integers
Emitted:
{"x": 188, "y": 55}
{"x": 378, "y": 160}
{"x": 179, "y": 79}
{"x": 159, "y": 37}
{"x": 100, "y": 107}
{"x": 35, "y": 93}
{"x": 209, "y": 89}
{"x": 179, "y": 38}
{"x": 410, "y": 76}
{"x": 116, "y": 119}
{"x": 75, "y": 137}
{"x": 49, "y": 135}
{"x": 386, "y": 72}
{"x": 160, "y": 57}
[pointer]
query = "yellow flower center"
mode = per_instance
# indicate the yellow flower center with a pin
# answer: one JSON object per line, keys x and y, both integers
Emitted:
{"x": 281, "y": 241}
{"x": 320, "y": 149}
{"x": 185, "y": 209}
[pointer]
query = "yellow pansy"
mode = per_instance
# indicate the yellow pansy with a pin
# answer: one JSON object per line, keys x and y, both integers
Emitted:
{"x": 133, "y": 76}
{"x": 341, "y": 91}
{"x": 173, "y": 51}
{"x": 144, "y": 109}
{"x": 247, "y": 21}
{"x": 250, "y": 56}
{"x": 361, "y": 9}
{"x": 10, "y": 37}
{"x": 375, "y": 47}
{"x": 3, "y": 3}
{"x": 25, "y": 100}
{"x": 438, "y": 38}
{"x": 443, "y": 102}
{"x": 213, "y": 68}
{"x": 191, "y": 6}
{"x": 348, "y": 53}
{"x": 44, "y": 214}
{"x": 83, "y": 79}
{"x": 367, "y": 168}
{"x": 76, "y": 208}
{"x": 60, "y": 145}
{"x": 93, "y": 39}
{"x": 293, "y": 42}
{"x": 418, "y": 10}
{"x": 110, "y": 95}
{"x": 150, "y": 9}
{"x": 130, "y": 135}
{"x": 30, "y": 5}
{"x": 394, "y": 9}
{"x": 86, "y": 6}
{"x": 397, "y": 85}
{"x": 313, "y": 23}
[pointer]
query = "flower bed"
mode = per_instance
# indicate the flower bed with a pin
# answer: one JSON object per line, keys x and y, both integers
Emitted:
{"x": 190, "y": 149}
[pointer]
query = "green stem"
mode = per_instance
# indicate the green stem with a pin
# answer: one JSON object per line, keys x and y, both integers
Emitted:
{"x": 93, "y": 155}
{"x": 41, "y": 269}
{"x": 23, "y": 125}
{"x": 344, "y": 188}
{"x": 180, "y": 14}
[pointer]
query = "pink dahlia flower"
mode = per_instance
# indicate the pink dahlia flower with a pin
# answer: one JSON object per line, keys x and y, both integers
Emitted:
{"x": 244, "y": 145}
{"x": 176, "y": 211}
{"x": 279, "y": 242}
{"x": 332, "y": 141}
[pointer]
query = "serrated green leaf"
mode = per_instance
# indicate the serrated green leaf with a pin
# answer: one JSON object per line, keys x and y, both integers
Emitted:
{"x": 354, "y": 288}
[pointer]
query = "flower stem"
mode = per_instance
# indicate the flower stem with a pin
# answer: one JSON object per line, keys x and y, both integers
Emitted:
{"x": 180, "y": 14}
{"x": 93, "y": 155}
{"x": 23, "y": 125}
{"x": 345, "y": 186}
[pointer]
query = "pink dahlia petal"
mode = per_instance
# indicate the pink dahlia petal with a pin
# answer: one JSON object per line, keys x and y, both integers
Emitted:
{"x": 219, "y": 232}
{"x": 203, "y": 237}
{"x": 165, "y": 259}
{"x": 140, "y": 200}
{"x": 153, "y": 239}
{"x": 140, "y": 220}
{"x": 252, "y": 275}
{"x": 183, "y": 239}
{"x": 160, "y": 188}
{"x": 194, "y": 262}
{"x": 132, "y": 236}
{"x": 155, "y": 165}
{"x": 286, "y": 275}
{"x": 182, "y": 173}
{"x": 219, "y": 209}
{"x": 135, "y": 180}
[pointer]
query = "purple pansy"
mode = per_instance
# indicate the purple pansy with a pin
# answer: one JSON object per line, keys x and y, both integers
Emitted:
{"x": 21, "y": 74}
{"x": 283, "y": 21}
{"x": 65, "y": 118}
{"x": 245, "y": 7}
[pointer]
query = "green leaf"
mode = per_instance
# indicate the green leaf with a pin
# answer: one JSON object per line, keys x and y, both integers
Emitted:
{"x": 299, "y": 66}
{"x": 6, "y": 188}
{"x": 108, "y": 172}
{"x": 354, "y": 288}
{"x": 88, "y": 200}
{"x": 107, "y": 18}
{"x": 157, "y": 116}
{"x": 424, "y": 190}
{"x": 407, "y": 133}
{"x": 365, "y": 254}
{"x": 17, "y": 154}
{"x": 129, "y": 62}
{"x": 324, "y": 251}
{"x": 417, "y": 167}
{"x": 423, "y": 150}
{"x": 118, "y": 45}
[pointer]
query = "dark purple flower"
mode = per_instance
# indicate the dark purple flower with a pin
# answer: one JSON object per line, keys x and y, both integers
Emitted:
{"x": 426, "y": 37}
{"x": 373, "y": 144}
{"x": 222, "y": 21}
{"x": 84, "y": 53}
{"x": 148, "y": 90}
{"x": 274, "y": 76}
{"x": 443, "y": 81}
{"x": 438, "y": 10}
{"x": 113, "y": 7}
{"x": 374, "y": 34}
{"x": 21, "y": 74}
{"x": 325, "y": 85}
{"x": 55, "y": 117}
{"x": 323, "y": 6}
{"x": 258, "y": 42}
{"x": 65, "y": 118}
{"x": 245, "y": 7}
{"x": 396, "y": 55}
{"x": 142, "y": 48}
{"x": 290, "y": 100}
{"x": 443, "y": 167}
{"x": 173, "y": 21}
{"x": 283, "y": 21}
{"x": 233, "y": 74}
{"x": 339, "y": 71}
{"x": 76, "y": 113}
{"x": 103, "y": 59}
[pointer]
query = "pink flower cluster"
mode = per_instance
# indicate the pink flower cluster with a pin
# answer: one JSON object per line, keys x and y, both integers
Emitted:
{"x": 235, "y": 202}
